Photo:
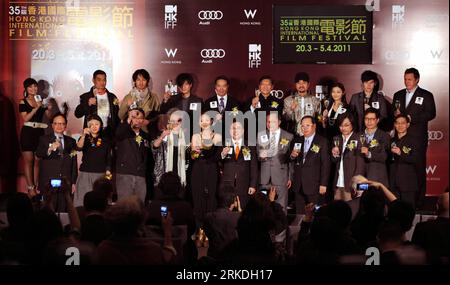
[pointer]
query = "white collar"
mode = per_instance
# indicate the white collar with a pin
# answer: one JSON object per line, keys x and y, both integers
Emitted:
{"x": 412, "y": 91}
{"x": 238, "y": 142}
{"x": 276, "y": 133}
{"x": 224, "y": 97}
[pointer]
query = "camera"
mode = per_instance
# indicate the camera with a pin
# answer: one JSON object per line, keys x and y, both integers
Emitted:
{"x": 317, "y": 207}
{"x": 362, "y": 186}
{"x": 264, "y": 191}
{"x": 55, "y": 183}
{"x": 164, "y": 211}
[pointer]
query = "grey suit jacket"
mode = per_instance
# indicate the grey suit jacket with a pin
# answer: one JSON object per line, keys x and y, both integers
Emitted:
{"x": 277, "y": 169}
{"x": 376, "y": 169}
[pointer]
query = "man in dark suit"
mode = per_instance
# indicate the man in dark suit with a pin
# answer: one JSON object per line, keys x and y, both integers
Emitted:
{"x": 131, "y": 148}
{"x": 240, "y": 164}
{"x": 58, "y": 158}
{"x": 433, "y": 235}
{"x": 418, "y": 104}
{"x": 370, "y": 98}
{"x": 101, "y": 102}
{"x": 221, "y": 102}
{"x": 311, "y": 165}
{"x": 273, "y": 152}
{"x": 184, "y": 100}
{"x": 375, "y": 147}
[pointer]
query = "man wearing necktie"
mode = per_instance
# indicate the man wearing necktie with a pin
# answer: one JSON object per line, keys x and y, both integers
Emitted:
{"x": 239, "y": 165}
{"x": 311, "y": 175}
{"x": 418, "y": 104}
{"x": 58, "y": 157}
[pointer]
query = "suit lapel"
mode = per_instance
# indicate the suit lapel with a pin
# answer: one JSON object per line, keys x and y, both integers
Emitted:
{"x": 413, "y": 99}
{"x": 310, "y": 146}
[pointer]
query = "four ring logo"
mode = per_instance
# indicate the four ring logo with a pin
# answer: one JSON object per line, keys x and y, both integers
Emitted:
{"x": 435, "y": 135}
{"x": 212, "y": 53}
{"x": 277, "y": 93}
{"x": 210, "y": 15}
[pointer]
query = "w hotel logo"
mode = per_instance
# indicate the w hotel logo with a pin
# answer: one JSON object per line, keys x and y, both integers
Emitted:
{"x": 254, "y": 55}
{"x": 170, "y": 16}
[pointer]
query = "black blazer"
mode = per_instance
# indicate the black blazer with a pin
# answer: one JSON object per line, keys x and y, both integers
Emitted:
{"x": 376, "y": 165}
{"x": 57, "y": 164}
{"x": 315, "y": 171}
{"x": 83, "y": 109}
{"x": 131, "y": 157}
{"x": 376, "y": 99}
{"x": 353, "y": 161}
{"x": 245, "y": 172}
{"x": 175, "y": 102}
{"x": 402, "y": 171}
{"x": 420, "y": 113}
{"x": 231, "y": 103}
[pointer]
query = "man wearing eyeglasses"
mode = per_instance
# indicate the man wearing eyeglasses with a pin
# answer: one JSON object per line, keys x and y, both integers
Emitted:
{"x": 58, "y": 157}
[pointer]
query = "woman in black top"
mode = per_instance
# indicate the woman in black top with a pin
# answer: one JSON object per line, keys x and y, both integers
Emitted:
{"x": 33, "y": 112}
{"x": 204, "y": 169}
{"x": 334, "y": 109}
{"x": 96, "y": 161}
{"x": 404, "y": 151}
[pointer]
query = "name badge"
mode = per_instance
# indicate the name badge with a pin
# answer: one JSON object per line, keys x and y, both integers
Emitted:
{"x": 165, "y": 139}
{"x": 258, "y": 105}
{"x": 419, "y": 100}
{"x": 230, "y": 151}
{"x": 193, "y": 107}
{"x": 213, "y": 104}
{"x": 264, "y": 139}
{"x": 298, "y": 146}
{"x": 376, "y": 105}
{"x": 248, "y": 157}
{"x": 309, "y": 107}
{"x": 133, "y": 106}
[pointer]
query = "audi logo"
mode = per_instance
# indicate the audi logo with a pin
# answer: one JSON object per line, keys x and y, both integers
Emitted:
{"x": 277, "y": 93}
{"x": 212, "y": 53}
{"x": 210, "y": 15}
{"x": 435, "y": 135}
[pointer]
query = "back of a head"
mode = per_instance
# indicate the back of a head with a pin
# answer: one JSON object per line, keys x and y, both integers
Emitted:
{"x": 170, "y": 184}
{"x": 18, "y": 209}
{"x": 95, "y": 201}
{"x": 103, "y": 185}
{"x": 127, "y": 216}
{"x": 390, "y": 231}
{"x": 225, "y": 199}
{"x": 372, "y": 203}
{"x": 401, "y": 212}
{"x": 325, "y": 232}
{"x": 340, "y": 212}
{"x": 443, "y": 210}
{"x": 45, "y": 226}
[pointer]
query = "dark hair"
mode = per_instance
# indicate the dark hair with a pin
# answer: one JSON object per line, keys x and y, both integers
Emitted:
{"x": 340, "y": 212}
{"x": 95, "y": 117}
{"x": 301, "y": 76}
{"x": 401, "y": 212}
{"x": 104, "y": 186}
{"x": 184, "y": 77}
{"x": 95, "y": 201}
{"x": 313, "y": 120}
{"x": 372, "y": 110}
{"x": 349, "y": 116}
{"x": 339, "y": 85}
{"x": 98, "y": 72}
{"x": 390, "y": 231}
{"x": 19, "y": 210}
{"x": 27, "y": 83}
{"x": 372, "y": 203}
{"x": 266, "y": 77}
{"x": 413, "y": 71}
{"x": 59, "y": 115}
{"x": 170, "y": 184}
{"x": 369, "y": 75}
{"x": 401, "y": 115}
{"x": 144, "y": 73}
{"x": 225, "y": 198}
{"x": 222, "y": 77}
{"x": 140, "y": 110}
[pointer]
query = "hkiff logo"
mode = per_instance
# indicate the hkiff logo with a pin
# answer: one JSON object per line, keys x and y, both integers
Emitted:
{"x": 210, "y": 15}
{"x": 435, "y": 135}
{"x": 212, "y": 53}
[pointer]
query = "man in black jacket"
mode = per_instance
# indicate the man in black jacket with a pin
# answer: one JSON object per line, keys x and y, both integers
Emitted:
{"x": 311, "y": 165}
{"x": 101, "y": 102}
{"x": 418, "y": 104}
{"x": 131, "y": 148}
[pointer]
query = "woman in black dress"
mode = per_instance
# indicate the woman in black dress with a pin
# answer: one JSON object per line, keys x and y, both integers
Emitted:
{"x": 32, "y": 112}
{"x": 334, "y": 109}
{"x": 96, "y": 161}
{"x": 204, "y": 169}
